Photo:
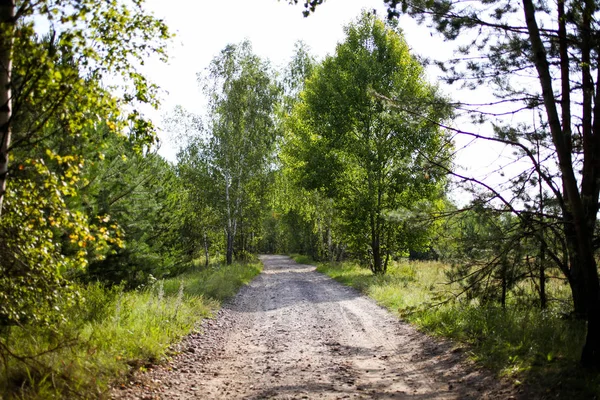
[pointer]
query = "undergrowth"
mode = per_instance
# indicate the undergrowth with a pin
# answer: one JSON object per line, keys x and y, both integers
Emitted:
{"x": 524, "y": 343}
{"x": 302, "y": 259}
{"x": 110, "y": 332}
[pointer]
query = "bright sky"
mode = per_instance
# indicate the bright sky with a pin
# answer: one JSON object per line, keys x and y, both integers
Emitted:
{"x": 204, "y": 27}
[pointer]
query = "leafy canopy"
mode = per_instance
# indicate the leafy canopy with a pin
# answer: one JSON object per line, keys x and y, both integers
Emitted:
{"x": 346, "y": 139}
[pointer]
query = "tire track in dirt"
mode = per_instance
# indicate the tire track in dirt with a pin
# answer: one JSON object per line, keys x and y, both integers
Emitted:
{"x": 294, "y": 333}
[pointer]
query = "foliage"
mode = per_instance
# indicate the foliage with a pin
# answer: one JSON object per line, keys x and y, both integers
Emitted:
{"x": 371, "y": 159}
{"x": 489, "y": 253}
{"x": 300, "y": 220}
{"x": 142, "y": 195}
{"x": 43, "y": 239}
{"x": 56, "y": 104}
{"x": 229, "y": 167}
{"x": 538, "y": 61}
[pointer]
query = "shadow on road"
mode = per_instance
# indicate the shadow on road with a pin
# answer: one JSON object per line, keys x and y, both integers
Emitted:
{"x": 285, "y": 283}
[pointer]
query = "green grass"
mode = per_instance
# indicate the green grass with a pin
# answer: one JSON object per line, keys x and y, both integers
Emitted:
{"x": 302, "y": 259}
{"x": 522, "y": 343}
{"x": 111, "y": 333}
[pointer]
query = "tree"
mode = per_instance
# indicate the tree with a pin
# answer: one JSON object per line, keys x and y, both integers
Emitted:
{"x": 145, "y": 198}
{"x": 488, "y": 252}
{"x": 345, "y": 140}
{"x": 299, "y": 220}
{"x": 53, "y": 102}
{"x": 552, "y": 49}
{"x": 236, "y": 155}
{"x": 89, "y": 40}
{"x": 202, "y": 222}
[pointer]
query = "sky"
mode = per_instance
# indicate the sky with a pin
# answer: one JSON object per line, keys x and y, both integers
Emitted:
{"x": 204, "y": 27}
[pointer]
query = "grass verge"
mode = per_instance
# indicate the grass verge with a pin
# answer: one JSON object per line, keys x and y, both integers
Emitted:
{"x": 522, "y": 343}
{"x": 110, "y": 333}
{"x": 302, "y": 259}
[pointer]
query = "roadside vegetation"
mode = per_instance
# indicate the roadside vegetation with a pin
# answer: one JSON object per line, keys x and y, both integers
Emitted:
{"x": 525, "y": 344}
{"x": 108, "y": 252}
{"x": 112, "y": 331}
{"x": 350, "y": 160}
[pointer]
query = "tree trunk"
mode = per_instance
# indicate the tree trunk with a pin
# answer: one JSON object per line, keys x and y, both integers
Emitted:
{"x": 542, "y": 277}
{"x": 577, "y": 286}
{"x": 377, "y": 267}
{"x": 231, "y": 228}
{"x": 542, "y": 255}
{"x": 590, "y": 355}
{"x": 7, "y": 27}
{"x": 504, "y": 284}
{"x": 582, "y": 206}
{"x": 206, "y": 256}
{"x": 330, "y": 245}
{"x": 590, "y": 187}
{"x": 377, "y": 260}
{"x": 574, "y": 274}
{"x": 229, "y": 253}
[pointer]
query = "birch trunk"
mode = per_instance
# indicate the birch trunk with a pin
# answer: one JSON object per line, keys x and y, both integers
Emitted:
{"x": 7, "y": 27}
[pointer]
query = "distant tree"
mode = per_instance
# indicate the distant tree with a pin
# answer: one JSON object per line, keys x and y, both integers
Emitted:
{"x": 301, "y": 220}
{"x": 202, "y": 222}
{"x": 295, "y": 74}
{"x": 233, "y": 153}
{"x": 345, "y": 140}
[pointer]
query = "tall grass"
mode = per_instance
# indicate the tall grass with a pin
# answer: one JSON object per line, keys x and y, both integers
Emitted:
{"x": 521, "y": 342}
{"x": 110, "y": 332}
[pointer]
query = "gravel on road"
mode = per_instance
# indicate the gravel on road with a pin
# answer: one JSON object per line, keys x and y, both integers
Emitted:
{"x": 294, "y": 333}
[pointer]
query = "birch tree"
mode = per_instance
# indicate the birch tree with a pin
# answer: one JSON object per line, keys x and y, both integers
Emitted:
{"x": 243, "y": 96}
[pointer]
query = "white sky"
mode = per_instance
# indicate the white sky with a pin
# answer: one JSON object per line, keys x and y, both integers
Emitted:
{"x": 204, "y": 27}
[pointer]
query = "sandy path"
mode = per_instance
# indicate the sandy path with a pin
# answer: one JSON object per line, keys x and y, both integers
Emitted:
{"x": 294, "y": 333}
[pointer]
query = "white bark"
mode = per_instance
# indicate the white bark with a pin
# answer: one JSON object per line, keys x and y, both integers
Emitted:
{"x": 7, "y": 26}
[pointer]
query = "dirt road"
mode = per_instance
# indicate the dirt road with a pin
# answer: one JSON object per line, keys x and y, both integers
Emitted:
{"x": 294, "y": 333}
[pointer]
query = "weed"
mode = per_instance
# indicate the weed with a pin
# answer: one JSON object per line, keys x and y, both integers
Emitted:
{"x": 302, "y": 259}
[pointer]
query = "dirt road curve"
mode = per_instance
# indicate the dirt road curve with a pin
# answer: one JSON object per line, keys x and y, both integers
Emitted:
{"x": 294, "y": 333}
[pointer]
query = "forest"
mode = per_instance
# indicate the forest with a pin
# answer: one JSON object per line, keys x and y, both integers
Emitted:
{"x": 349, "y": 162}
